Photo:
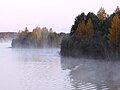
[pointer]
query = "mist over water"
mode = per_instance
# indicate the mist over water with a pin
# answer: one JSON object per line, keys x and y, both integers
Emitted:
{"x": 45, "y": 69}
{"x": 93, "y": 74}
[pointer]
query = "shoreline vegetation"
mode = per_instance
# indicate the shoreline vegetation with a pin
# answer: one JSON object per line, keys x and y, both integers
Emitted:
{"x": 94, "y": 36}
{"x": 7, "y": 36}
{"x": 38, "y": 38}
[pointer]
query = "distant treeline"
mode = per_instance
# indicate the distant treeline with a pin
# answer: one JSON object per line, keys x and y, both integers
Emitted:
{"x": 94, "y": 36}
{"x": 4, "y": 36}
{"x": 38, "y": 38}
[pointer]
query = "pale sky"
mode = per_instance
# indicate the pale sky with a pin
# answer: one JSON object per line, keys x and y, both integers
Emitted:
{"x": 15, "y": 15}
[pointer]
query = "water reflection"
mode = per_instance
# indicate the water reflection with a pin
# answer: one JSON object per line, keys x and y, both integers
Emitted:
{"x": 31, "y": 69}
{"x": 40, "y": 69}
{"x": 92, "y": 74}
{"x": 44, "y": 69}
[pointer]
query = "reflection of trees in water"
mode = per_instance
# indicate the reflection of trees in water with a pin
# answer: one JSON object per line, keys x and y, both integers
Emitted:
{"x": 92, "y": 74}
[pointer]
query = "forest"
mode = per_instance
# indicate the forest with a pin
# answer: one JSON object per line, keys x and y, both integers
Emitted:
{"x": 38, "y": 38}
{"x": 94, "y": 36}
{"x": 6, "y": 36}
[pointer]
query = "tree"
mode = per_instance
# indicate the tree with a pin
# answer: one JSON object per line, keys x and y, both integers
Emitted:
{"x": 50, "y": 30}
{"x": 53, "y": 39}
{"x": 114, "y": 34}
{"x": 117, "y": 9}
{"x": 78, "y": 20}
{"x": 36, "y": 36}
{"x": 101, "y": 14}
{"x": 80, "y": 32}
{"x": 89, "y": 28}
{"x": 84, "y": 31}
{"x": 94, "y": 20}
{"x": 37, "y": 33}
{"x": 24, "y": 32}
{"x": 44, "y": 34}
{"x": 114, "y": 30}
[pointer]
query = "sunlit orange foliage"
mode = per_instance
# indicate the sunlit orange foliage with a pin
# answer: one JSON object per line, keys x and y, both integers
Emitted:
{"x": 89, "y": 28}
{"x": 84, "y": 31}
{"x": 24, "y": 32}
{"x": 36, "y": 33}
{"x": 80, "y": 30}
{"x": 114, "y": 31}
{"x": 101, "y": 14}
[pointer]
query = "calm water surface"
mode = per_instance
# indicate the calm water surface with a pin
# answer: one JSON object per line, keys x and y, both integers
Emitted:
{"x": 44, "y": 69}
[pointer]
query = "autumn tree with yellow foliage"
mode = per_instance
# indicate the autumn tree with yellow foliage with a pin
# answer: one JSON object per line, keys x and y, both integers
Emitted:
{"x": 80, "y": 30}
{"x": 89, "y": 28}
{"x": 84, "y": 30}
{"x": 23, "y": 33}
{"x": 36, "y": 33}
{"x": 101, "y": 14}
{"x": 114, "y": 34}
{"x": 114, "y": 30}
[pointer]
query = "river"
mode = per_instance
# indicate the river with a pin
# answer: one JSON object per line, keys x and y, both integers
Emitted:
{"x": 45, "y": 69}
